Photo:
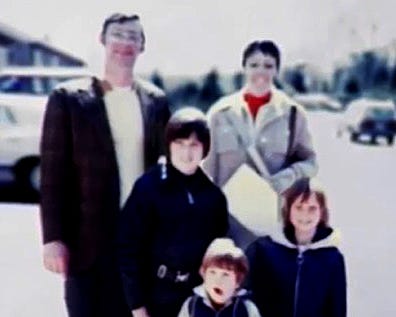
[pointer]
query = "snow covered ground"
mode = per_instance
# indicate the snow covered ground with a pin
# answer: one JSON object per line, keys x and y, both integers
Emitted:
{"x": 362, "y": 196}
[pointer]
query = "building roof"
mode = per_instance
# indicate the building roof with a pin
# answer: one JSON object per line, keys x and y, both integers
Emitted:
{"x": 9, "y": 35}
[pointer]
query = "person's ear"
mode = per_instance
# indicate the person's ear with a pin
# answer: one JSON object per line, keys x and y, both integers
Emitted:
{"x": 202, "y": 272}
{"x": 102, "y": 39}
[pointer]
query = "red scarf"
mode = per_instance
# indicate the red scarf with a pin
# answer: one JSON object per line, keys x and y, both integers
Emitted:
{"x": 256, "y": 102}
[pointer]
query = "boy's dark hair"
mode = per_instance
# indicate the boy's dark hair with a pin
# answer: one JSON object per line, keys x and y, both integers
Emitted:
{"x": 265, "y": 47}
{"x": 304, "y": 187}
{"x": 120, "y": 18}
{"x": 223, "y": 253}
{"x": 185, "y": 122}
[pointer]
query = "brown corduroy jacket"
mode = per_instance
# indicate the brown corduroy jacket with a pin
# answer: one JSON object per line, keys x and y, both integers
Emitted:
{"x": 79, "y": 172}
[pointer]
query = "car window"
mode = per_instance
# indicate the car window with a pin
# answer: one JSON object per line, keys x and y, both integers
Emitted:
{"x": 36, "y": 85}
{"x": 380, "y": 113}
{"x": 16, "y": 84}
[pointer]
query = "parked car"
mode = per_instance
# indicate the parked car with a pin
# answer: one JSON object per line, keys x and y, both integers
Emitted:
{"x": 23, "y": 95}
{"x": 22, "y": 85}
{"x": 19, "y": 150}
{"x": 318, "y": 101}
{"x": 369, "y": 119}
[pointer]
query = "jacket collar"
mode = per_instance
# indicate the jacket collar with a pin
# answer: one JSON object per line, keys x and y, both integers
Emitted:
{"x": 332, "y": 240}
{"x": 200, "y": 291}
{"x": 278, "y": 106}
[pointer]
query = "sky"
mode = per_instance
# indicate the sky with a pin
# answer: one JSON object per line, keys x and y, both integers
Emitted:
{"x": 192, "y": 37}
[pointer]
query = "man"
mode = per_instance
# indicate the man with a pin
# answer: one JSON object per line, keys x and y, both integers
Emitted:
{"x": 98, "y": 137}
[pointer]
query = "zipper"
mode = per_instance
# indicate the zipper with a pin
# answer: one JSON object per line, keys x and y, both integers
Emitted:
{"x": 190, "y": 197}
{"x": 300, "y": 260}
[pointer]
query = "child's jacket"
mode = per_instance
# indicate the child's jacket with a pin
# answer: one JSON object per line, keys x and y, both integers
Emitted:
{"x": 199, "y": 305}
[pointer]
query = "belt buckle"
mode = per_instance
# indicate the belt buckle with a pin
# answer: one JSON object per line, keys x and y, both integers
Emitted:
{"x": 181, "y": 278}
{"x": 161, "y": 272}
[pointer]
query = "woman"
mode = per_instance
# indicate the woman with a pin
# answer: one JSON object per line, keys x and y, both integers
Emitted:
{"x": 259, "y": 117}
{"x": 170, "y": 218}
{"x": 299, "y": 271}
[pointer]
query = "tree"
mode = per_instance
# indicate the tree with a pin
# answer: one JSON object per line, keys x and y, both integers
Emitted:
{"x": 210, "y": 91}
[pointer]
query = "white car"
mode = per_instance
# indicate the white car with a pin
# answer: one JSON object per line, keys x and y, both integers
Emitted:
{"x": 318, "y": 101}
{"x": 19, "y": 150}
{"x": 31, "y": 86}
{"x": 23, "y": 95}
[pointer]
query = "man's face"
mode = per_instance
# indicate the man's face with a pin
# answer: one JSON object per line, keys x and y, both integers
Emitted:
{"x": 123, "y": 42}
{"x": 220, "y": 284}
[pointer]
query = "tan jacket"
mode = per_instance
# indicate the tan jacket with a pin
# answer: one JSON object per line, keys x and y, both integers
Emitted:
{"x": 270, "y": 134}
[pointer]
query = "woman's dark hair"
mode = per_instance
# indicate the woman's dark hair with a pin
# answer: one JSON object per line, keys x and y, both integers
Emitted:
{"x": 265, "y": 47}
{"x": 185, "y": 122}
{"x": 304, "y": 187}
{"x": 120, "y": 18}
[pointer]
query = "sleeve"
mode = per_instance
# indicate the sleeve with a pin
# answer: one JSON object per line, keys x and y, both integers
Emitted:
{"x": 223, "y": 223}
{"x": 337, "y": 301}
{"x": 211, "y": 161}
{"x": 307, "y": 166}
{"x": 56, "y": 168}
{"x": 163, "y": 118}
{"x": 259, "y": 291}
{"x": 184, "y": 309}
{"x": 133, "y": 244}
{"x": 252, "y": 309}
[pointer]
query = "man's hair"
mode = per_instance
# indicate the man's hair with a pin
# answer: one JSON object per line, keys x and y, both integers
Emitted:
{"x": 304, "y": 188}
{"x": 265, "y": 47}
{"x": 121, "y": 18}
{"x": 185, "y": 122}
{"x": 223, "y": 253}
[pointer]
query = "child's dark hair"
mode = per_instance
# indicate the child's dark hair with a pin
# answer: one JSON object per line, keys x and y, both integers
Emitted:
{"x": 185, "y": 122}
{"x": 265, "y": 47}
{"x": 223, "y": 253}
{"x": 305, "y": 187}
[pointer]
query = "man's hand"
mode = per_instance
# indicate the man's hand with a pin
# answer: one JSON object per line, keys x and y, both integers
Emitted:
{"x": 56, "y": 257}
{"x": 140, "y": 312}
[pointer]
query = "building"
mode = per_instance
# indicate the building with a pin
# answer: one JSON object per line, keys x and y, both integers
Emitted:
{"x": 19, "y": 49}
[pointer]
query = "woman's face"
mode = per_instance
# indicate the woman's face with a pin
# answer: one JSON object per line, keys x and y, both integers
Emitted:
{"x": 305, "y": 215}
{"x": 186, "y": 154}
{"x": 260, "y": 71}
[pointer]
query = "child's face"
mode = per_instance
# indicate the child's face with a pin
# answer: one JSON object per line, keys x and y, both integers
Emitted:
{"x": 220, "y": 284}
{"x": 186, "y": 154}
{"x": 305, "y": 215}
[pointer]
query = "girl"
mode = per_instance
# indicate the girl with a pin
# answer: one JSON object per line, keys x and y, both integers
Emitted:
{"x": 299, "y": 271}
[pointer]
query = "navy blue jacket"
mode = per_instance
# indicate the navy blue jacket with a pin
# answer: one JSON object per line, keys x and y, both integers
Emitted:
{"x": 287, "y": 281}
{"x": 168, "y": 222}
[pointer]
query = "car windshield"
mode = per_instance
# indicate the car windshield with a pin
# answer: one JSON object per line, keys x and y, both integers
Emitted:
{"x": 380, "y": 113}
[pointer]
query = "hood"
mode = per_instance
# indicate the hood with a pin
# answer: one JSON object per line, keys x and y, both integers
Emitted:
{"x": 331, "y": 240}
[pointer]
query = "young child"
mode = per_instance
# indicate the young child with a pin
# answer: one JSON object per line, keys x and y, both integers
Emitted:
{"x": 223, "y": 269}
{"x": 299, "y": 271}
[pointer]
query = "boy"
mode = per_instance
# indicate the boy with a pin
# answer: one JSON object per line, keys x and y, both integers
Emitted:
{"x": 223, "y": 269}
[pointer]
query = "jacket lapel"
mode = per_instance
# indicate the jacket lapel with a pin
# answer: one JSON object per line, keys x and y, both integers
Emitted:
{"x": 95, "y": 110}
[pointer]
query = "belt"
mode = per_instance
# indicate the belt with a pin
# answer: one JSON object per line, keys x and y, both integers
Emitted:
{"x": 175, "y": 276}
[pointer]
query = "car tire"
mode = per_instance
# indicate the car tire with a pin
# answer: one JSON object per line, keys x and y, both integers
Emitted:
{"x": 28, "y": 175}
{"x": 354, "y": 136}
{"x": 390, "y": 140}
